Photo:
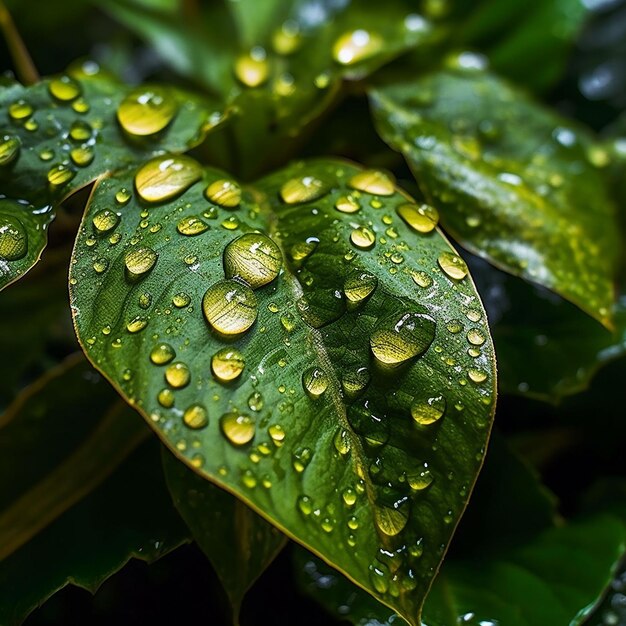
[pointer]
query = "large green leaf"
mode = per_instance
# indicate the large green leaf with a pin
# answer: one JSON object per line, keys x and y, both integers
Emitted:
{"x": 516, "y": 184}
{"x": 380, "y": 453}
{"x": 239, "y": 543}
{"x": 78, "y": 508}
{"x": 515, "y": 574}
{"x": 61, "y": 134}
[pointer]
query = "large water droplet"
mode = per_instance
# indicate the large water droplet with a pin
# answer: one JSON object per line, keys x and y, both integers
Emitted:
{"x": 9, "y": 149}
{"x": 162, "y": 354}
{"x": 373, "y": 182}
{"x": 20, "y": 110}
{"x": 225, "y": 193}
{"x": 453, "y": 265}
{"x": 227, "y": 364}
{"x": 82, "y": 156}
{"x": 139, "y": 262}
{"x": 422, "y": 218}
{"x": 146, "y": 111}
{"x": 196, "y": 416}
{"x": 60, "y": 175}
{"x": 80, "y": 131}
{"x": 254, "y": 258}
{"x": 390, "y": 521}
{"x": 358, "y": 288}
{"x": 230, "y": 307}
{"x": 426, "y": 411}
{"x": 178, "y": 375}
{"x": 252, "y": 69}
{"x": 303, "y": 189}
{"x": 64, "y": 88}
{"x": 356, "y": 46}
{"x": 238, "y": 428}
{"x": 399, "y": 338}
{"x": 13, "y": 238}
{"x": 191, "y": 226}
{"x": 315, "y": 382}
{"x": 363, "y": 238}
{"x": 166, "y": 177}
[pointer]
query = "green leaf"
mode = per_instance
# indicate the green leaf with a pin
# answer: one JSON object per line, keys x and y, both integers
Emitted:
{"x": 355, "y": 466}
{"x": 519, "y": 577}
{"x": 515, "y": 183}
{"x": 51, "y": 145}
{"x": 239, "y": 543}
{"x": 78, "y": 509}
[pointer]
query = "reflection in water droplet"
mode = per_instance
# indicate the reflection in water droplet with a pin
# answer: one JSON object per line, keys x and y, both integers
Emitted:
{"x": 419, "y": 479}
{"x": 80, "y": 131}
{"x": 225, "y": 193}
{"x": 253, "y": 257}
{"x": 227, "y": 364}
{"x": 191, "y": 226}
{"x": 9, "y": 150}
{"x": 238, "y": 428}
{"x": 255, "y": 402}
{"x": 399, "y": 338}
{"x": 20, "y": 110}
{"x": 137, "y": 324}
{"x": 315, "y": 382}
{"x": 305, "y": 504}
{"x": 139, "y": 262}
{"x": 64, "y": 89}
{"x": 347, "y": 204}
{"x": 342, "y": 441}
{"x": 453, "y": 265}
{"x": 373, "y": 182}
{"x": 105, "y": 221}
{"x": 166, "y": 398}
{"x": 196, "y": 416}
{"x": 181, "y": 299}
{"x": 166, "y": 177}
{"x": 356, "y": 46}
{"x": 422, "y": 279}
{"x": 122, "y": 196}
{"x": 422, "y": 218}
{"x": 60, "y": 175}
{"x": 177, "y": 375}
{"x": 363, "y": 238}
{"x": 162, "y": 354}
{"x": 252, "y": 69}
{"x": 354, "y": 381}
{"x": 277, "y": 433}
{"x": 303, "y": 189}
{"x": 358, "y": 288}
{"x": 475, "y": 337}
{"x": 146, "y": 111}
{"x": 230, "y": 307}
{"x": 13, "y": 236}
{"x": 426, "y": 411}
{"x": 390, "y": 521}
{"x": 82, "y": 156}
{"x": 477, "y": 376}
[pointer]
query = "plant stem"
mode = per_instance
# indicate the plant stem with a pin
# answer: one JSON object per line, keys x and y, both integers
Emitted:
{"x": 24, "y": 66}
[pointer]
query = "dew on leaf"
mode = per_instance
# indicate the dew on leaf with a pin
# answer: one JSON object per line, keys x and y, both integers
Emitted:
{"x": 191, "y": 226}
{"x": 13, "y": 237}
{"x": 9, "y": 150}
{"x": 162, "y": 354}
{"x": 453, "y": 265}
{"x": 230, "y": 307}
{"x": 363, "y": 238}
{"x": 426, "y": 411}
{"x": 238, "y": 428}
{"x": 80, "y": 131}
{"x": 252, "y": 68}
{"x": 178, "y": 375}
{"x": 254, "y": 258}
{"x": 277, "y": 433}
{"x": 139, "y": 262}
{"x": 475, "y": 337}
{"x": 421, "y": 218}
{"x": 166, "y": 177}
{"x": 20, "y": 110}
{"x": 225, "y": 193}
{"x": 358, "y": 287}
{"x": 146, "y": 111}
{"x": 373, "y": 182}
{"x": 104, "y": 221}
{"x": 347, "y": 204}
{"x": 227, "y": 364}
{"x": 136, "y": 325}
{"x": 60, "y": 175}
{"x": 82, "y": 156}
{"x": 303, "y": 189}
{"x": 315, "y": 382}
{"x": 196, "y": 416}
{"x": 64, "y": 89}
{"x": 390, "y": 521}
{"x": 354, "y": 381}
{"x": 166, "y": 398}
{"x": 356, "y": 46}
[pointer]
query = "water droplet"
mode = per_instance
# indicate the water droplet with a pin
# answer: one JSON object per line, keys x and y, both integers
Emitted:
{"x": 379, "y": 577}
{"x": 477, "y": 376}
{"x": 196, "y": 416}
{"x": 64, "y": 88}
{"x": 373, "y": 182}
{"x": 475, "y": 337}
{"x": 178, "y": 375}
{"x": 287, "y": 39}
{"x": 248, "y": 479}
{"x": 426, "y": 411}
{"x": 305, "y": 504}
{"x": 191, "y": 226}
{"x": 358, "y": 288}
{"x": 327, "y": 525}
{"x": 454, "y": 326}
{"x": 420, "y": 479}
{"x": 100, "y": 265}
{"x": 399, "y": 338}
{"x": 255, "y": 402}
{"x": 390, "y": 521}
{"x": 9, "y": 150}
{"x": 277, "y": 433}
{"x": 453, "y": 265}
{"x": 301, "y": 458}
{"x": 354, "y": 381}
{"x": 181, "y": 299}
{"x": 13, "y": 238}
{"x": 145, "y": 300}
{"x": 162, "y": 354}
{"x": 303, "y": 189}
{"x": 137, "y": 324}
{"x": 356, "y": 46}
{"x": 422, "y": 279}
{"x": 20, "y": 110}
{"x": 254, "y": 258}
{"x": 139, "y": 262}
{"x": 146, "y": 111}
{"x": 122, "y": 196}
{"x": 315, "y": 382}
{"x": 238, "y": 428}
{"x": 303, "y": 250}
{"x": 225, "y": 193}
{"x": 166, "y": 177}
{"x": 60, "y": 175}
{"x": 347, "y": 204}
{"x": 227, "y": 364}
{"x": 421, "y": 218}
{"x": 473, "y": 315}
{"x": 349, "y": 496}
{"x": 363, "y": 238}
{"x": 80, "y": 131}
{"x": 80, "y": 105}
{"x": 166, "y": 398}
{"x": 105, "y": 221}
{"x": 82, "y": 156}
{"x": 230, "y": 307}
{"x": 252, "y": 69}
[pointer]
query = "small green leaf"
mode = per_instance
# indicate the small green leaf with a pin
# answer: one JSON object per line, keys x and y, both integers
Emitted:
{"x": 61, "y": 134}
{"x": 516, "y": 184}
{"x": 300, "y": 343}
{"x": 239, "y": 543}
{"x": 78, "y": 509}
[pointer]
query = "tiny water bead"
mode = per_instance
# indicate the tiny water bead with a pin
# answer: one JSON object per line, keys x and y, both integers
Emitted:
{"x": 166, "y": 177}
{"x": 358, "y": 288}
{"x": 315, "y": 382}
{"x": 421, "y": 218}
{"x": 225, "y": 193}
{"x": 303, "y": 189}
{"x": 146, "y": 111}
{"x": 363, "y": 238}
{"x": 256, "y": 401}
{"x": 139, "y": 262}
{"x": 452, "y": 265}
{"x": 254, "y": 258}
{"x": 162, "y": 354}
{"x": 373, "y": 182}
{"x": 238, "y": 428}
{"x": 191, "y": 226}
{"x": 426, "y": 411}
{"x": 356, "y": 46}
{"x": 196, "y": 417}
{"x": 227, "y": 364}
{"x": 9, "y": 150}
{"x": 230, "y": 307}
{"x": 13, "y": 237}
{"x": 64, "y": 89}
{"x": 252, "y": 69}
{"x": 398, "y": 338}
{"x": 178, "y": 375}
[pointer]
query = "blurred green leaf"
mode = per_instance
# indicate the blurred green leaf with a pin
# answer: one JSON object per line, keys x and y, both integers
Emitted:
{"x": 515, "y": 183}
